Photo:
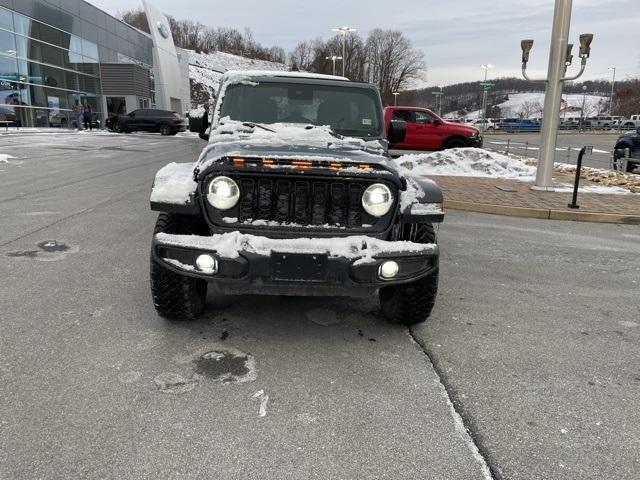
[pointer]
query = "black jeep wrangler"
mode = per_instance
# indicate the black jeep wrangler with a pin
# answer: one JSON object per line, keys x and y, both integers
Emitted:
{"x": 295, "y": 194}
{"x": 627, "y": 150}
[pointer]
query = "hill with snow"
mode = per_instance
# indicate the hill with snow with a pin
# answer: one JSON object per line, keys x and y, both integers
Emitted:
{"x": 206, "y": 70}
{"x": 530, "y": 105}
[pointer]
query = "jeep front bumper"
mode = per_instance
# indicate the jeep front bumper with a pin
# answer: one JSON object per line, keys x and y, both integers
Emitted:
{"x": 355, "y": 261}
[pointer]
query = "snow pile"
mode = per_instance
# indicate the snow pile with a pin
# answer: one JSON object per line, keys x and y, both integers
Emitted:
{"x": 468, "y": 162}
{"x": 4, "y": 158}
{"x": 606, "y": 189}
{"x": 197, "y": 112}
{"x": 174, "y": 184}
{"x": 229, "y": 245}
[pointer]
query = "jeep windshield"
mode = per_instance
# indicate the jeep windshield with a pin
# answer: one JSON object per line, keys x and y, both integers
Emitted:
{"x": 349, "y": 111}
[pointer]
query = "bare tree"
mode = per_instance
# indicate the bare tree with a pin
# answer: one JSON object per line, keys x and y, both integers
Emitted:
{"x": 391, "y": 61}
{"x": 529, "y": 108}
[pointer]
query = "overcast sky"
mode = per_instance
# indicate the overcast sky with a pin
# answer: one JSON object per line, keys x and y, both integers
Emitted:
{"x": 455, "y": 36}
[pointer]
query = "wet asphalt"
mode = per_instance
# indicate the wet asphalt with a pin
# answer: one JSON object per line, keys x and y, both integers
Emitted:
{"x": 532, "y": 347}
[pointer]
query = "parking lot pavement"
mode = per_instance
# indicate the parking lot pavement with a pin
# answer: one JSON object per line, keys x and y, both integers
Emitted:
{"x": 96, "y": 385}
{"x": 536, "y": 332}
{"x": 535, "y": 335}
{"x": 567, "y": 148}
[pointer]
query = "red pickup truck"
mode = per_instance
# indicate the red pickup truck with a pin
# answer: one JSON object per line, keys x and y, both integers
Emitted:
{"x": 427, "y": 131}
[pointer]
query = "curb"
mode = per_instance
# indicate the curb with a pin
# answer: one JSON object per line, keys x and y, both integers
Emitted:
{"x": 542, "y": 213}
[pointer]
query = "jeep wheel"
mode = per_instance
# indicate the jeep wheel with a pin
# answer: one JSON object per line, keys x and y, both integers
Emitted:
{"x": 455, "y": 143}
{"x": 165, "y": 129}
{"x": 117, "y": 127}
{"x": 411, "y": 303}
{"x": 175, "y": 296}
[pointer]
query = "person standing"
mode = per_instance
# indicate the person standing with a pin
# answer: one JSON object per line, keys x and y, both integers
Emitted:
{"x": 77, "y": 113}
{"x": 87, "y": 114}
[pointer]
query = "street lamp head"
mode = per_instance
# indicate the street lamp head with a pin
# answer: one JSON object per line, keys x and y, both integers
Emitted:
{"x": 486, "y": 66}
{"x": 585, "y": 44}
{"x": 584, "y": 88}
{"x": 569, "y": 57}
{"x": 526, "y": 46}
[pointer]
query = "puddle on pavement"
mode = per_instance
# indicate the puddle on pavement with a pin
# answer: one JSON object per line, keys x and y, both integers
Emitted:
{"x": 226, "y": 365}
{"x": 49, "y": 250}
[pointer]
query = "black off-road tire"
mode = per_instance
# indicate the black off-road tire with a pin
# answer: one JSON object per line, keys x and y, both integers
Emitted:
{"x": 164, "y": 129}
{"x": 175, "y": 296}
{"x": 454, "y": 143}
{"x": 117, "y": 127}
{"x": 411, "y": 303}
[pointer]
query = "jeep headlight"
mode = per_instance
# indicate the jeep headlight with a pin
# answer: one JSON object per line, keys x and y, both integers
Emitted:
{"x": 223, "y": 193}
{"x": 377, "y": 199}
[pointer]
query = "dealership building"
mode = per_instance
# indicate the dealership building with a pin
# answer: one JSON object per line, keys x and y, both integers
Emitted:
{"x": 56, "y": 54}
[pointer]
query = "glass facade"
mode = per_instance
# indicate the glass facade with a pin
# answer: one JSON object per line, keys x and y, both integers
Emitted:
{"x": 50, "y": 55}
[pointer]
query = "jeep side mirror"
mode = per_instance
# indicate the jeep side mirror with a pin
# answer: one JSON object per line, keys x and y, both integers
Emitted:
{"x": 397, "y": 131}
{"x": 200, "y": 124}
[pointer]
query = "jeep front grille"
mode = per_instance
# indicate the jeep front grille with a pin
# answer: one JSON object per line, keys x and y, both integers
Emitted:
{"x": 303, "y": 201}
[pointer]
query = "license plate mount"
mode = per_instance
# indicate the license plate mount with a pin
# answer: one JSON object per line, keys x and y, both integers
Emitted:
{"x": 298, "y": 266}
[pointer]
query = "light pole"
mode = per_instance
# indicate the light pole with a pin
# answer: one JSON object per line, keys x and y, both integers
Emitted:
{"x": 559, "y": 59}
{"x": 584, "y": 99}
{"x": 485, "y": 92}
{"x": 395, "y": 98}
{"x": 438, "y": 96}
{"x": 333, "y": 58}
{"x": 343, "y": 31}
{"x": 613, "y": 83}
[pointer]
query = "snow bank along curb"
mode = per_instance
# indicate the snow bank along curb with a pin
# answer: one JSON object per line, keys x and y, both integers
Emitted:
{"x": 478, "y": 162}
{"x": 543, "y": 213}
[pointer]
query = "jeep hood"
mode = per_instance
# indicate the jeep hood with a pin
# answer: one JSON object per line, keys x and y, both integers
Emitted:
{"x": 233, "y": 138}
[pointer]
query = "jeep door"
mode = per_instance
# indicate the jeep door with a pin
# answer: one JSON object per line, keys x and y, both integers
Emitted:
{"x": 410, "y": 141}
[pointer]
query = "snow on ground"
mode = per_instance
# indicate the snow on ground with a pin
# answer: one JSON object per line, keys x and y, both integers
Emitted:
{"x": 468, "y": 162}
{"x": 608, "y": 189}
{"x": 207, "y": 68}
{"x": 4, "y": 158}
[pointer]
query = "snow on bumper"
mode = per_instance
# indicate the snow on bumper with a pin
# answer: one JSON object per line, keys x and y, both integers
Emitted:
{"x": 354, "y": 260}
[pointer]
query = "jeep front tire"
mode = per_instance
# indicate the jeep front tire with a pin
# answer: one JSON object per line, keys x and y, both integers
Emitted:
{"x": 411, "y": 303}
{"x": 175, "y": 296}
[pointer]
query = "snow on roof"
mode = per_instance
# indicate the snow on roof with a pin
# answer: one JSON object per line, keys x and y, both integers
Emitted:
{"x": 270, "y": 73}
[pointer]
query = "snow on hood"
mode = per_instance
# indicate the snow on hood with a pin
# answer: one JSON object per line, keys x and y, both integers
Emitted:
{"x": 236, "y": 135}
{"x": 174, "y": 184}
{"x": 469, "y": 162}
{"x": 229, "y": 245}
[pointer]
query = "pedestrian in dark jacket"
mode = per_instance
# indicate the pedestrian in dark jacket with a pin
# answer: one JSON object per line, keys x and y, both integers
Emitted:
{"x": 87, "y": 113}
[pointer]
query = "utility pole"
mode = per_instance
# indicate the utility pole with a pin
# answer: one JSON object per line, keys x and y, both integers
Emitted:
{"x": 584, "y": 99}
{"x": 395, "y": 98}
{"x": 613, "y": 83}
{"x": 333, "y": 58}
{"x": 559, "y": 59}
{"x": 486, "y": 86}
{"x": 438, "y": 95}
{"x": 344, "y": 31}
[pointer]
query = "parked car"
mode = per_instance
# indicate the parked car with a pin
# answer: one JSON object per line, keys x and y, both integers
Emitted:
{"x": 287, "y": 199}
{"x": 489, "y": 123}
{"x": 630, "y": 141}
{"x": 631, "y": 123}
{"x": 519, "y": 125}
{"x": 164, "y": 122}
{"x": 603, "y": 121}
{"x": 427, "y": 131}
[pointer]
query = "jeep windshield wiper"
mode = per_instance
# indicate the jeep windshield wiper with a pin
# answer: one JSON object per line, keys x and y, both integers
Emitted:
{"x": 332, "y": 132}
{"x": 259, "y": 125}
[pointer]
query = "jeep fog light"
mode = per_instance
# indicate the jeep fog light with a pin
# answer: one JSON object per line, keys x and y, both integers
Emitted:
{"x": 389, "y": 269}
{"x": 206, "y": 264}
{"x": 377, "y": 199}
{"x": 223, "y": 193}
